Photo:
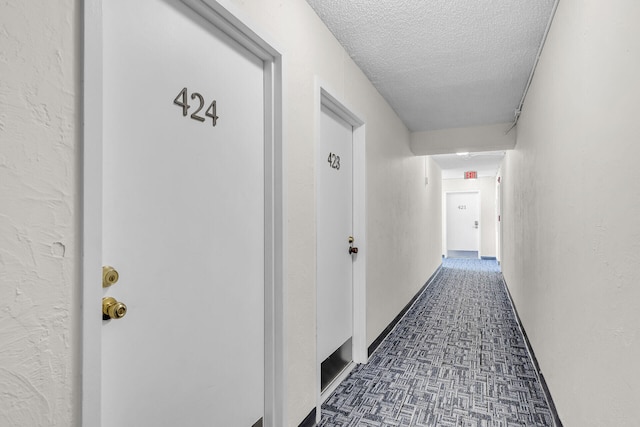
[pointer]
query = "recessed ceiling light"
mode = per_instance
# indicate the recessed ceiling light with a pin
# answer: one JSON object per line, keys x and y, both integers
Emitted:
{"x": 464, "y": 153}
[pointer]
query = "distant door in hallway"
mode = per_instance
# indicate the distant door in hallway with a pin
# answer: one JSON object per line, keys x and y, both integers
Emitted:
{"x": 463, "y": 222}
{"x": 183, "y": 220}
{"x": 334, "y": 229}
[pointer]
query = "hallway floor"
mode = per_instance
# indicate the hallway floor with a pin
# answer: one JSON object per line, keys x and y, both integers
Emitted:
{"x": 457, "y": 358}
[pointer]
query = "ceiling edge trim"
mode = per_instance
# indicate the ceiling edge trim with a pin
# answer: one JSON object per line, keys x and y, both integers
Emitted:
{"x": 516, "y": 113}
{"x": 471, "y": 139}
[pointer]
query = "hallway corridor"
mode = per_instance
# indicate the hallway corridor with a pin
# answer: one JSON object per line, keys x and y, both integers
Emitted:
{"x": 458, "y": 358}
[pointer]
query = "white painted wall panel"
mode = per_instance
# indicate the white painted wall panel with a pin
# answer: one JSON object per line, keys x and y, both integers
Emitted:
{"x": 572, "y": 210}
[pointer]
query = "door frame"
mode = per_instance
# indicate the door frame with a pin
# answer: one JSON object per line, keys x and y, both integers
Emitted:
{"x": 498, "y": 217}
{"x": 445, "y": 242}
{"x": 324, "y": 97}
{"x": 227, "y": 18}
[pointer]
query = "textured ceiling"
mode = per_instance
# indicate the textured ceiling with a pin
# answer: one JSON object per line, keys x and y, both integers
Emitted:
{"x": 443, "y": 63}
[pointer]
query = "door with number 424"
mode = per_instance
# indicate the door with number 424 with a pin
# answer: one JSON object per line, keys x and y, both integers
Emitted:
{"x": 183, "y": 220}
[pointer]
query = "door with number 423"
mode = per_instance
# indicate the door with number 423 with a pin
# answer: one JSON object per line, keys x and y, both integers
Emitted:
{"x": 335, "y": 251}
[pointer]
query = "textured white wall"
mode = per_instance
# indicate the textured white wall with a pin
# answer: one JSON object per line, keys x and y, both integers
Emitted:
{"x": 39, "y": 218}
{"x": 572, "y": 213}
{"x": 40, "y": 175}
{"x": 487, "y": 188}
{"x": 404, "y": 228}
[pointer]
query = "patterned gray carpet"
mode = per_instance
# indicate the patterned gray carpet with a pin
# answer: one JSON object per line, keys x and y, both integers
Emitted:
{"x": 457, "y": 358}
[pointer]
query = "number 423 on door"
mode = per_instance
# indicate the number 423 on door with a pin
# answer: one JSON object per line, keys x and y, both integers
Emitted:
{"x": 182, "y": 101}
{"x": 334, "y": 161}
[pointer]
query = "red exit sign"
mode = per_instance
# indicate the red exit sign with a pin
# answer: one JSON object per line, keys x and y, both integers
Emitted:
{"x": 471, "y": 175}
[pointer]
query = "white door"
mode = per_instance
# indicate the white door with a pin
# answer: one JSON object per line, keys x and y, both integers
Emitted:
{"x": 463, "y": 221}
{"x": 334, "y": 227}
{"x": 183, "y": 220}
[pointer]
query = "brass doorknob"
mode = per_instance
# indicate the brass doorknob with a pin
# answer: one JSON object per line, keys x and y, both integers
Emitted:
{"x": 109, "y": 276}
{"x": 353, "y": 250}
{"x": 112, "y": 309}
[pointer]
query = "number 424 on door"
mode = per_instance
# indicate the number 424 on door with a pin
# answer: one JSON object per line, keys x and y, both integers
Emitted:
{"x": 182, "y": 101}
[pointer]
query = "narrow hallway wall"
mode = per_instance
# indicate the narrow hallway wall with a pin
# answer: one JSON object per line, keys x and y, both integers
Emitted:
{"x": 404, "y": 229}
{"x": 572, "y": 210}
{"x": 403, "y": 214}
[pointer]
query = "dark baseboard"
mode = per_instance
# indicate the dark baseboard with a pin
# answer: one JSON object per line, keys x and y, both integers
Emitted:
{"x": 374, "y": 345}
{"x": 310, "y": 420}
{"x": 543, "y": 382}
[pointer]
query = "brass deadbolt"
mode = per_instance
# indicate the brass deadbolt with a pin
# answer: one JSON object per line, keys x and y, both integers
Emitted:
{"x": 351, "y": 239}
{"x": 112, "y": 309}
{"x": 109, "y": 276}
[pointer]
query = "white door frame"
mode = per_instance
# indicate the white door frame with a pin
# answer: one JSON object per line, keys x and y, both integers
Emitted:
{"x": 324, "y": 97}
{"x": 498, "y": 218}
{"x": 445, "y": 243}
{"x": 224, "y": 16}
